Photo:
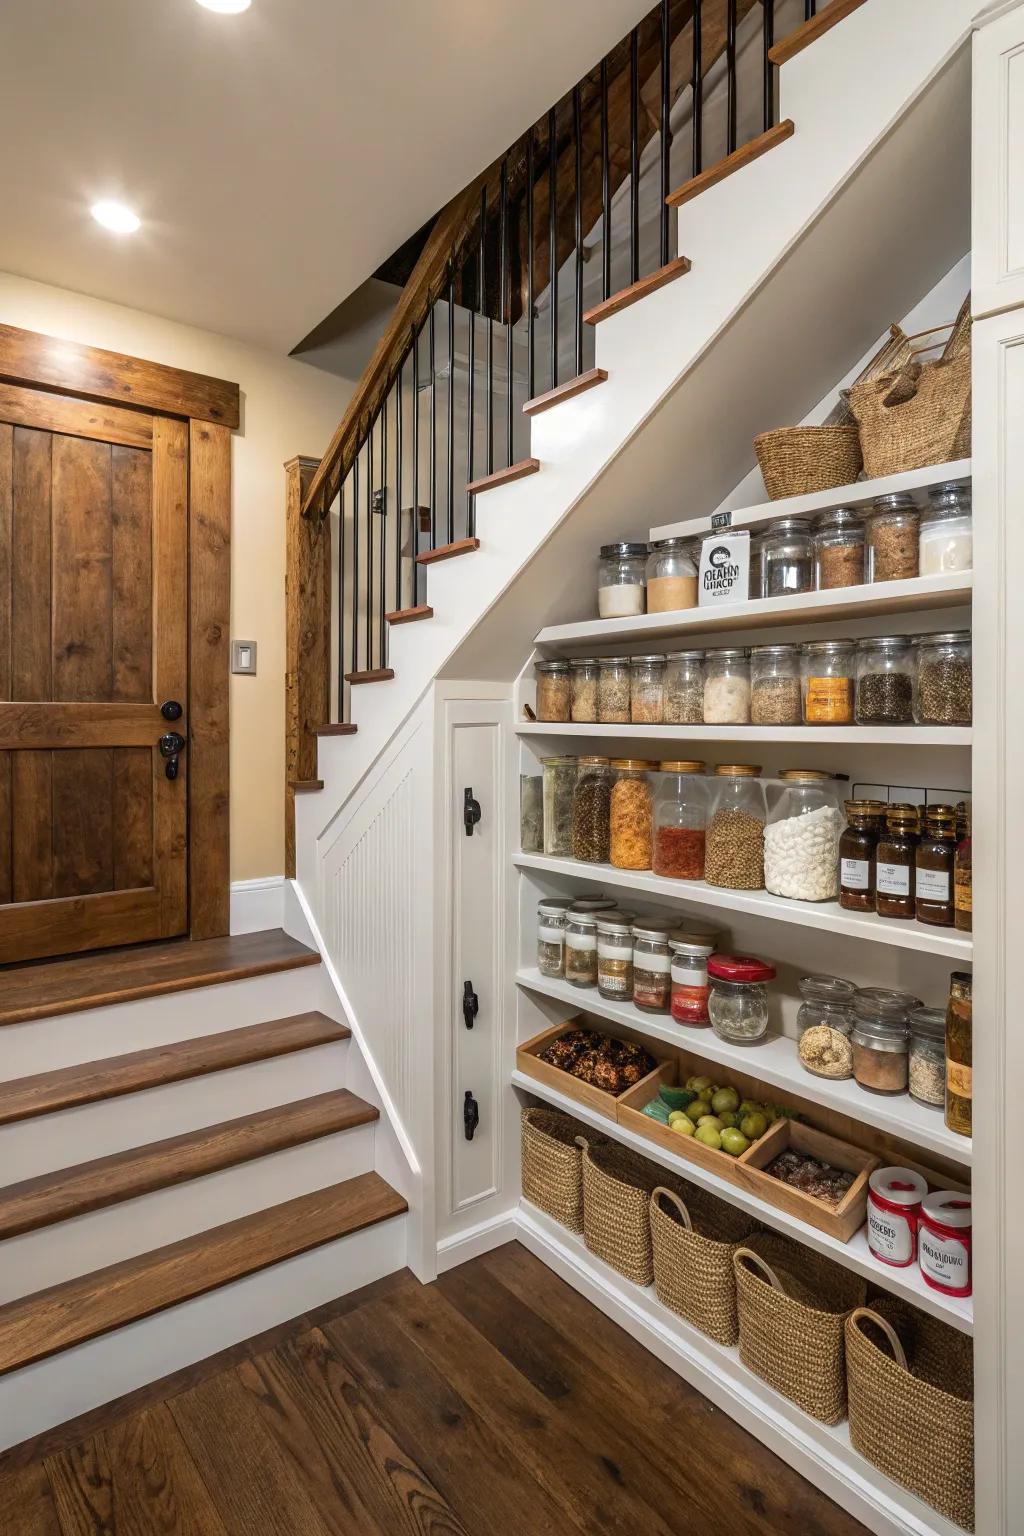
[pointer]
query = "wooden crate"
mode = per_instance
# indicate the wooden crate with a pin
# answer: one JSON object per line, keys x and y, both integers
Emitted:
{"x": 528, "y": 1061}
{"x": 840, "y": 1222}
{"x": 629, "y": 1113}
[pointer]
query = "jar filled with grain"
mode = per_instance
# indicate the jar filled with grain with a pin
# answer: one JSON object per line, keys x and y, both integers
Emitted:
{"x": 881, "y": 1039}
{"x": 613, "y": 690}
{"x": 787, "y": 557}
{"x": 727, "y": 687}
{"x": 828, "y": 670}
{"x": 684, "y": 688}
{"x": 885, "y": 680}
{"x": 591, "y": 810}
{"x": 554, "y": 690}
{"x": 680, "y": 817}
{"x": 559, "y": 785}
{"x": 581, "y": 948}
{"x": 621, "y": 580}
{"x": 632, "y": 814}
{"x": 734, "y": 841}
{"x": 615, "y": 955}
{"x": 652, "y": 963}
{"x": 894, "y": 862}
{"x": 944, "y": 678}
{"x": 838, "y": 549}
{"x": 947, "y": 542}
{"x": 585, "y": 672}
{"x": 647, "y": 690}
{"x": 551, "y": 915}
{"x": 892, "y": 538}
{"x": 775, "y": 697}
{"x": 825, "y": 1023}
{"x": 928, "y": 1056}
{"x": 671, "y": 576}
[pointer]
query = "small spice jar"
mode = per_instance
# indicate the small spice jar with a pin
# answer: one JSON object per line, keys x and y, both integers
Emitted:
{"x": 690, "y": 955}
{"x": 671, "y": 576}
{"x": 894, "y": 1210}
{"x": 734, "y": 841}
{"x": 828, "y": 668}
{"x": 680, "y": 817}
{"x": 684, "y": 688}
{"x": 585, "y": 672}
{"x": 801, "y": 837}
{"x": 892, "y": 536}
{"x": 775, "y": 697}
{"x": 881, "y": 1039}
{"x": 652, "y": 964}
{"x": 727, "y": 687}
{"x": 560, "y": 775}
{"x": 613, "y": 690}
{"x": 944, "y": 1241}
{"x": 551, "y": 935}
{"x": 632, "y": 814}
{"x": 787, "y": 557}
{"x": 885, "y": 680}
{"x": 946, "y": 540}
{"x": 959, "y": 1054}
{"x": 838, "y": 549}
{"x": 963, "y": 872}
{"x": 647, "y": 690}
{"x": 581, "y": 948}
{"x": 738, "y": 997}
{"x": 591, "y": 810}
{"x": 531, "y": 812}
{"x": 825, "y": 1022}
{"x": 615, "y": 955}
{"x": 944, "y": 676}
{"x": 621, "y": 580}
{"x": 554, "y": 690}
{"x": 858, "y": 846}
{"x": 894, "y": 862}
{"x": 928, "y": 1056}
{"x": 756, "y": 588}
{"x": 934, "y": 857}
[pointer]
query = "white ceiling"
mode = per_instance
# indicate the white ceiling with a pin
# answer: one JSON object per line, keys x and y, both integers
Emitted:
{"x": 275, "y": 157}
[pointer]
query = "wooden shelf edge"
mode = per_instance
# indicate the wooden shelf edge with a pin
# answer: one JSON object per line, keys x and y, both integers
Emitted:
{"x": 375, "y": 675}
{"x": 410, "y": 615}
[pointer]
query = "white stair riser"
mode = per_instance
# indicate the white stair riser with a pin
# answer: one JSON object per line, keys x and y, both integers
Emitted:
{"x": 39, "y": 1259}
{"x": 89, "y": 1131}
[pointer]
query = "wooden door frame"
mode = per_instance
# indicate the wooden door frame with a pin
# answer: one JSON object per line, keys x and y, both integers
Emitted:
{"x": 211, "y": 407}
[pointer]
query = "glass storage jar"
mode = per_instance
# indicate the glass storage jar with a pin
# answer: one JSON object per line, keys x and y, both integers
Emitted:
{"x": 734, "y": 841}
{"x": 531, "y": 812}
{"x": 934, "y": 858}
{"x": 928, "y": 1056}
{"x": 946, "y": 540}
{"x": 632, "y": 814}
{"x": 944, "y": 678}
{"x": 690, "y": 955}
{"x": 581, "y": 948}
{"x": 858, "y": 846}
{"x": 671, "y": 576}
{"x": 551, "y": 914}
{"x": 621, "y": 580}
{"x": 727, "y": 687}
{"x": 885, "y": 680}
{"x": 613, "y": 690}
{"x": 827, "y": 669}
{"x": 825, "y": 1022}
{"x": 615, "y": 955}
{"x": 652, "y": 964}
{"x": 559, "y": 783}
{"x": 963, "y": 871}
{"x": 787, "y": 557}
{"x": 680, "y": 817}
{"x": 684, "y": 688}
{"x": 892, "y": 538}
{"x": 775, "y": 697}
{"x": 585, "y": 672}
{"x": 738, "y": 997}
{"x": 881, "y": 1038}
{"x": 554, "y": 690}
{"x": 591, "y": 808}
{"x": 801, "y": 837}
{"x": 959, "y": 1054}
{"x": 647, "y": 690}
{"x": 756, "y": 587}
{"x": 838, "y": 549}
{"x": 894, "y": 862}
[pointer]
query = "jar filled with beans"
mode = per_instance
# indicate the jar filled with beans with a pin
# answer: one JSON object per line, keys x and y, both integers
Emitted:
{"x": 944, "y": 679}
{"x": 585, "y": 672}
{"x": 613, "y": 690}
{"x": 632, "y": 814}
{"x": 734, "y": 841}
{"x": 591, "y": 810}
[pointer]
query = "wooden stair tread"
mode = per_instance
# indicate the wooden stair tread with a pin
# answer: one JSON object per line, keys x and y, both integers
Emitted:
{"x": 734, "y": 162}
{"x": 54, "y": 1197}
{"x": 448, "y": 551}
{"x": 811, "y": 30}
{"x": 35, "y": 1327}
{"x": 22, "y": 1098}
{"x": 506, "y": 476}
{"x": 122, "y": 975}
{"x": 567, "y": 391}
{"x": 306, "y": 786}
{"x": 338, "y": 729}
{"x": 374, "y": 675}
{"x": 636, "y": 291}
{"x": 410, "y": 615}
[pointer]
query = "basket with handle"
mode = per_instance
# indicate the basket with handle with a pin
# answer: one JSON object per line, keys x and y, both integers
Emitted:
{"x": 552, "y": 1165}
{"x": 617, "y": 1189}
{"x": 911, "y": 1404}
{"x": 693, "y": 1241}
{"x": 796, "y": 460}
{"x": 792, "y": 1305}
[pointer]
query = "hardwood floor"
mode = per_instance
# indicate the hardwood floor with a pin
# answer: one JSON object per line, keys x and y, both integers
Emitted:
{"x": 494, "y": 1399}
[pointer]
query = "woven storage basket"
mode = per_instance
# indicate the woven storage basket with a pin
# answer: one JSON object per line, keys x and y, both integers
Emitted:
{"x": 919, "y": 416}
{"x": 617, "y": 1189}
{"x": 552, "y": 1172}
{"x": 693, "y": 1243}
{"x": 912, "y": 1403}
{"x": 795, "y": 460}
{"x": 792, "y": 1305}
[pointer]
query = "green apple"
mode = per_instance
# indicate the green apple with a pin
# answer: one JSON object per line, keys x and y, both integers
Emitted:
{"x": 734, "y": 1142}
{"x": 725, "y": 1098}
{"x": 754, "y": 1125}
{"x": 682, "y": 1126}
{"x": 709, "y": 1136}
{"x": 711, "y": 1120}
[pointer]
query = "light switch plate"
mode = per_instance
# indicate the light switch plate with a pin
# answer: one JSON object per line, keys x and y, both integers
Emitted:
{"x": 243, "y": 656}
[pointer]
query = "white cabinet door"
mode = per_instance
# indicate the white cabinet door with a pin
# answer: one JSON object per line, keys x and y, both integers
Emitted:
{"x": 998, "y": 164}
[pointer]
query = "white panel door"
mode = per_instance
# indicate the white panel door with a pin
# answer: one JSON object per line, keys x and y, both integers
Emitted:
{"x": 998, "y": 169}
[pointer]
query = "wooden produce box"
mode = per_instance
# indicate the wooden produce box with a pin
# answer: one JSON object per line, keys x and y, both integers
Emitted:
{"x": 629, "y": 1113}
{"x": 528, "y": 1061}
{"x": 841, "y": 1221}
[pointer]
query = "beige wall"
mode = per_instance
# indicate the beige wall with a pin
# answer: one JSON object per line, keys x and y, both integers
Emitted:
{"x": 287, "y": 408}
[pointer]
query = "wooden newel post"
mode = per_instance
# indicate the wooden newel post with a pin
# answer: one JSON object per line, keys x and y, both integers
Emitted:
{"x": 308, "y": 639}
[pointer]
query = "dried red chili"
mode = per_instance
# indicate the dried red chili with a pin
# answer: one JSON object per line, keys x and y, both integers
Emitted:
{"x": 679, "y": 852}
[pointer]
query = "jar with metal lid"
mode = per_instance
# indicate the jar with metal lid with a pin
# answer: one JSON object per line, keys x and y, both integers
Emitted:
{"x": 828, "y": 670}
{"x": 652, "y": 963}
{"x": 775, "y": 697}
{"x": 560, "y": 775}
{"x": 613, "y": 690}
{"x": 632, "y": 814}
{"x": 595, "y": 902}
{"x": 551, "y": 914}
{"x": 934, "y": 857}
{"x": 738, "y": 997}
{"x": 892, "y": 538}
{"x": 554, "y": 690}
{"x": 885, "y": 680}
{"x": 684, "y": 688}
{"x": 621, "y": 580}
{"x": 801, "y": 837}
{"x": 894, "y": 862}
{"x": 680, "y": 817}
{"x": 858, "y": 847}
{"x": 946, "y": 539}
{"x": 756, "y": 587}
{"x": 944, "y": 678}
{"x": 647, "y": 690}
{"x": 531, "y": 812}
{"x": 671, "y": 576}
{"x": 727, "y": 687}
{"x": 581, "y": 948}
{"x": 615, "y": 955}
{"x": 825, "y": 1022}
{"x": 585, "y": 673}
{"x": 928, "y": 1056}
{"x": 591, "y": 809}
{"x": 734, "y": 841}
{"x": 690, "y": 955}
{"x": 787, "y": 557}
{"x": 838, "y": 549}
{"x": 881, "y": 1038}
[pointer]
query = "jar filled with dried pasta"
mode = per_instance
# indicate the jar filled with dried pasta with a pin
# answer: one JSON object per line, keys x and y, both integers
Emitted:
{"x": 615, "y": 955}
{"x": 591, "y": 810}
{"x": 647, "y": 690}
{"x": 632, "y": 814}
{"x": 775, "y": 697}
{"x": 839, "y": 549}
{"x": 734, "y": 840}
{"x": 554, "y": 690}
{"x": 684, "y": 688}
{"x": 892, "y": 538}
{"x": 828, "y": 669}
{"x": 652, "y": 963}
{"x": 671, "y": 576}
{"x": 585, "y": 672}
{"x": 613, "y": 690}
{"x": 559, "y": 785}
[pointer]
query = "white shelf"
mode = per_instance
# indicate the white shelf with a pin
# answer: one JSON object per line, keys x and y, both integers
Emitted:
{"x": 808, "y": 735}
{"x": 858, "y": 494}
{"x": 774, "y": 1062}
{"x": 827, "y": 915}
{"x": 853, "y": 1255}
{"x": 820, "y": 1452}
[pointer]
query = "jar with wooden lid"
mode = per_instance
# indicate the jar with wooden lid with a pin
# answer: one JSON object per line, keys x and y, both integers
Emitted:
{"x": 647, "y": 690}
{"x": 591, "y": 809}
{"x": 787, "y": 557}
{"x": 933, "y": 866}
{"x": 554, "y": 690}
{"x": 775, "y": 697}
{"x": 652, "y": 963}
{"x": 615, "y": 955}
{"x": 560, "y": 774}
{"x": 838, "y": 549}
{"x": 881, "y": 1039}
{"x": 680, "y": 818}
{"x": 621, "y": 580}
{"x": 613, "y": 690}
{"x": 684, "y": 688}
{"x": 959, "y": 1054}
{"x": 895, "y": 890}
{"x": 892, "y": 538}
{"x": 858, "y": 847}
{"x": 585, "y": 673}
{"x": 671, "y": 576}
{"x": 828, "y": 670}
{"x": 734, "y": 841}
{"x": 801, "y": 837}
{"x": 963, "y": 872}
{"x": 632, "y": 814}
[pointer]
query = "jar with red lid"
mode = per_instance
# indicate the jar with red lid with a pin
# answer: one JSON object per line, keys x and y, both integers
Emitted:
{"x": 738, "y": 997}
{"x": 944, "y": 1242}
{"x": 894, "y": 1210}
{"x": 690, "y": 953}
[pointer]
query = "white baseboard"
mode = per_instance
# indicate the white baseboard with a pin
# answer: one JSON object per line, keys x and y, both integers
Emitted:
{"x": 257, "y": 904}
{"x": 474, "y": 1241}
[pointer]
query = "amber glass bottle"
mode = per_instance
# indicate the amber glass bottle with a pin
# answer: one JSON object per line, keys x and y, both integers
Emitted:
{"x": 857, "y": 848}
{"x": 959, "y": 1057}
{"x": 962, "y": 870}
{"x": 933, "y": 866}
{"x": 894, "y": 862}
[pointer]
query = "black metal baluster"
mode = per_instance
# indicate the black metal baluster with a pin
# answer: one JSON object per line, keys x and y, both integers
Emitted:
{"x": 431, "y": 358}
{"x": 450, "y": 496}
{"x": 767, "y": 42}
{"x": 342, "y": 615}
{"x": 369, "y": 545}
{"x": 505, "y": 299}
{"x": 490, "y": 346}
{"x": 606, "y": 189}
{"x": 400, "y": 412}
{"x": 355, "y": 565}
{"x": 415, "y": 464}
{"x": 530, "y": 348}
{"x": 634, "y": 155}
{"x": 577, "y": 135}
{"x": 666, "y": 136}
{"x": 697, "y": 90}
{"x": 553, "y": 239}
{"x": 809, "y": 9}
{"x": 730, "y": 66}
{"x": 470, "y": 404}
{"x": 382, "y": 629}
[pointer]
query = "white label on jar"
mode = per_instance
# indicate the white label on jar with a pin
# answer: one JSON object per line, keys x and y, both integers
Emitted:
{"x": 933, "y": 884}
{"x": 551, "y": 935}
{"x": 855, "y": 874}
{"x": 644, "y": 962}
{"x": 945, "y": 1260}
{"x": 692, "y": 975}
{"x": 581, "y": 941}
{"x": 893, "y": 880}
{"x": 890, "y": 1237}
{"x": 608, "y": 949}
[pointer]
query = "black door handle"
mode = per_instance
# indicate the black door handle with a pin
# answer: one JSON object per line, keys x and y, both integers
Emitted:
{"x": 470, "y": 1004}
{"x": 470, "y": 1115}
{"x": 171, "y": 744}
{"x": 470, "y": 811}
{"x": 171, "y": 710}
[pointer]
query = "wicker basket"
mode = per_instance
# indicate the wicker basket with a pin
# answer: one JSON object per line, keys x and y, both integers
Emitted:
{"x": 919, "y": 416}
{"x": 552, "y": 1172}
{"x": 795, "y": 460}
{"x": 617, "y": 1189}
{"x": 912, "y": 1403}
{"x": 793, "y": 1304}
{"x": 693, "y": 1242}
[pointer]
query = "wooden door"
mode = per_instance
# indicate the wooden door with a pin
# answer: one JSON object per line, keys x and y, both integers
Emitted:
{"x": 93, "y": 640}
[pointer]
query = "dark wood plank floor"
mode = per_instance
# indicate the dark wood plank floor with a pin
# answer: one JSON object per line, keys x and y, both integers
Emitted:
{"x": 496, "y": 1399}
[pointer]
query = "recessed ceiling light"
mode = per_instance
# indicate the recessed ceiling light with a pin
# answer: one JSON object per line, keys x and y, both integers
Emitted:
{"x": 227, "y": 7}
{"x": 116, "y": 216}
